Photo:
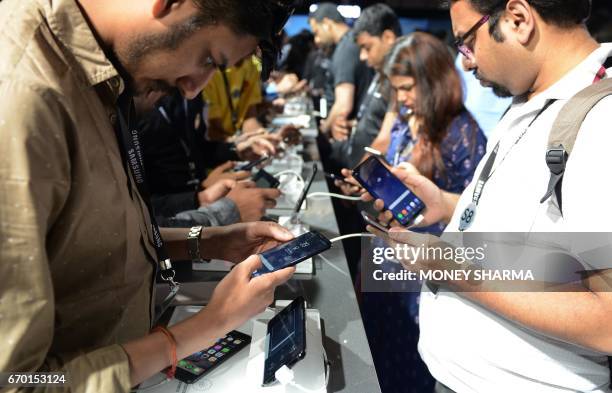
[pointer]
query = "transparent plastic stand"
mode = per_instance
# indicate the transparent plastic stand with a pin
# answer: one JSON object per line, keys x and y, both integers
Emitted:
{"x": 243, "y": 372}
{"x": 309, "y": 373}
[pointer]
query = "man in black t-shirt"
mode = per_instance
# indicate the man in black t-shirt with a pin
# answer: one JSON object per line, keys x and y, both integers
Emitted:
{"x": 375, "y": 33}
{"x": 349, "y": 77}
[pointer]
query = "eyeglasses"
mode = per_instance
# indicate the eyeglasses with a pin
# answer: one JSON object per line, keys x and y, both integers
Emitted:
{"x": 460, "y": 42}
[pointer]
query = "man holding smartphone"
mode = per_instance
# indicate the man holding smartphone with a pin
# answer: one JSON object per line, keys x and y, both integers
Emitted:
{"x": 541, "y": 53}
{"x": 80, "y": 250}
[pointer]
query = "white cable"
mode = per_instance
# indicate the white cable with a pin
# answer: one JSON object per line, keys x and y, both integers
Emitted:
{"x": 156, "y": 385}
{"x": 350, "y": 236}
{"x": 328, "y": 194}
{"x": 290, "y": 172}
{"x": 417, "y": 221}
{"x": 286, "y": 376}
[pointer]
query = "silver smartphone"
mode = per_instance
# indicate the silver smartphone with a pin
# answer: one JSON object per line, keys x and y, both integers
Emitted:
{"x": 371, "y": 220}
{"x": 377, "y": 154}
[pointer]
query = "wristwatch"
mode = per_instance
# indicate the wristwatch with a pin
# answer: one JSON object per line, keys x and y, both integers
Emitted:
{"x": 193, "y": 244}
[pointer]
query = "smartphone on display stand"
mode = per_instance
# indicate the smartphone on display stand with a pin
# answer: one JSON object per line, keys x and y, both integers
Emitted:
{"x": 195, "y": 366}
{"x": 293, "y": 252}
{"x": 371, "y": 220}
{"x": 382, "y": 184}
{"x": 304, "y": 195}
{"x": 263, "y": 179}
{"x": 286, "y": 339}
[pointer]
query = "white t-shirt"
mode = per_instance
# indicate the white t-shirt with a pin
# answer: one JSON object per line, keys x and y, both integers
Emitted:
{"x": 467, "y": 347}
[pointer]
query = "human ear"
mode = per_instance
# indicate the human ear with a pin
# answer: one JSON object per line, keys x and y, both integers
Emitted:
{"x": 162, "y": 8}
{"x": 522, "y": 20}
{"x": 388, "y": 37}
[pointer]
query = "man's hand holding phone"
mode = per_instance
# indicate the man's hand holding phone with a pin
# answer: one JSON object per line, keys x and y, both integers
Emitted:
{"x": 342, "y": 127}
{"x": 242, "y": 240}
{"x": 240, "y": 296}
{"x": 216, "y": 191}
{"x": 349, "y": 186}
{"x": 224, "y": 171}
{"x": 252, "y": 201}
{"x": 440, "y": 204}
{"x": 255, "y": 147}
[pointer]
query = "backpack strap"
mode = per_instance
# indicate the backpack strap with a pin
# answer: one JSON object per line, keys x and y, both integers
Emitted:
{"x": 565, "y": 130}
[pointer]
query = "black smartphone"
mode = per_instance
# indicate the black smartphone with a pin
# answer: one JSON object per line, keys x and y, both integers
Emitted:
{"x": 334, "y": 177}
{"x": 194, "y": 367}
{"x": 371, "y": 220}
{"x": 304, "y": 195}
{"x": 286, "y": 339}
{"x": 263, "y": 179}
{"x": 293, "y": 252}
{"x": 250, "y": 165}
{"x": 381, "y": 184}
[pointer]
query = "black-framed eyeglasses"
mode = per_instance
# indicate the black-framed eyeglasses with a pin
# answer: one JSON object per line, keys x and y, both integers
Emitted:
{"x": 460, "y": 42}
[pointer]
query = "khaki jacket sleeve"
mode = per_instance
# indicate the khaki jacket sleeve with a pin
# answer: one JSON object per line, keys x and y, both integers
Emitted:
{"x": 34, "y": 185}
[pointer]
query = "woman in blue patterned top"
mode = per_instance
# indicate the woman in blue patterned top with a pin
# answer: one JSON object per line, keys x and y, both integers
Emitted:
{"x": 434, "y": 132}
{"x": 440, "y": 139}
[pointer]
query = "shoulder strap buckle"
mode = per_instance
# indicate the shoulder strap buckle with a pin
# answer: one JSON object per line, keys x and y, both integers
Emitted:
{"x": 555, "y": 159}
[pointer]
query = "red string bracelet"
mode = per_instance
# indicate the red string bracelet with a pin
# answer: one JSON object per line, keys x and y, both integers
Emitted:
{"x": 170, "y": 371}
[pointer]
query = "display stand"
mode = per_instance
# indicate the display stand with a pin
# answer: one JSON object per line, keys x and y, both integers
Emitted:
{"x": 244, "y": 371}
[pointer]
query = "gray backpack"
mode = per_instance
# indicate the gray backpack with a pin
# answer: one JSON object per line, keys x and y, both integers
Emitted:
{"x": 565, "y": 130}
{"x": 563, "y": 136}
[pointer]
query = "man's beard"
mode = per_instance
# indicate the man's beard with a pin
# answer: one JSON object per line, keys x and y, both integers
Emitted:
{"x": 127, "y": 67}
{"x": 501, "y": 91}
{"x": 498, "y": 90}
{"x": 140, "y": 47}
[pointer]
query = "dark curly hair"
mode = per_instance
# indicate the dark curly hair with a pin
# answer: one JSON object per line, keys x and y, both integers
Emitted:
{"x": 562, "y": 13}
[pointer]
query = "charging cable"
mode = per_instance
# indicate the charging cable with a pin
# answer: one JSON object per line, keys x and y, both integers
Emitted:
{"x": 154, "y": 386}
{"x": 286, "y": 376}
{"x": 290, "y": 172}
{"x": 328, "y": 194}
{"x": 336, "y": 239}
{"x": 419, "y": 219}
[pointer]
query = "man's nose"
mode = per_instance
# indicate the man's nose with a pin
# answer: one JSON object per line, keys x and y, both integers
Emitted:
{"x": 363, "y": 55}
{"x": 192, "y": 85}
{"x": 468, "y": 63}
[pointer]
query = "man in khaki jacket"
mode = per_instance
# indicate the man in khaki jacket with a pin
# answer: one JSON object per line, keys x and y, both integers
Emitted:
{"x": 77, "y": 259}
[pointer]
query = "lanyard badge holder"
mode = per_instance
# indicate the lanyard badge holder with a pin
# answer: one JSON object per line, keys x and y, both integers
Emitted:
{"x": 129, "y": 143}
{"x": 469, "y": 214}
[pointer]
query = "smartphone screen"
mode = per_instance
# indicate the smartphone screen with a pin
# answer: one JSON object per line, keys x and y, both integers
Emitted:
{"x": 286, "y": 339}
{"x": 263, "y": 179}
{"x": 293, "y": 252}
{"x": 381, "y": 184}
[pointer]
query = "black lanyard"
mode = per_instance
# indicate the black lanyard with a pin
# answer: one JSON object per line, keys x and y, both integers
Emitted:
{"x": 188, "y": 140}
{"x": 129, "y": 143}
{"x": 372, "y": 90}
{"x": 228, "y": 93}
{"x": 469, "y": 214}
{"x": 486, "y": 174}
